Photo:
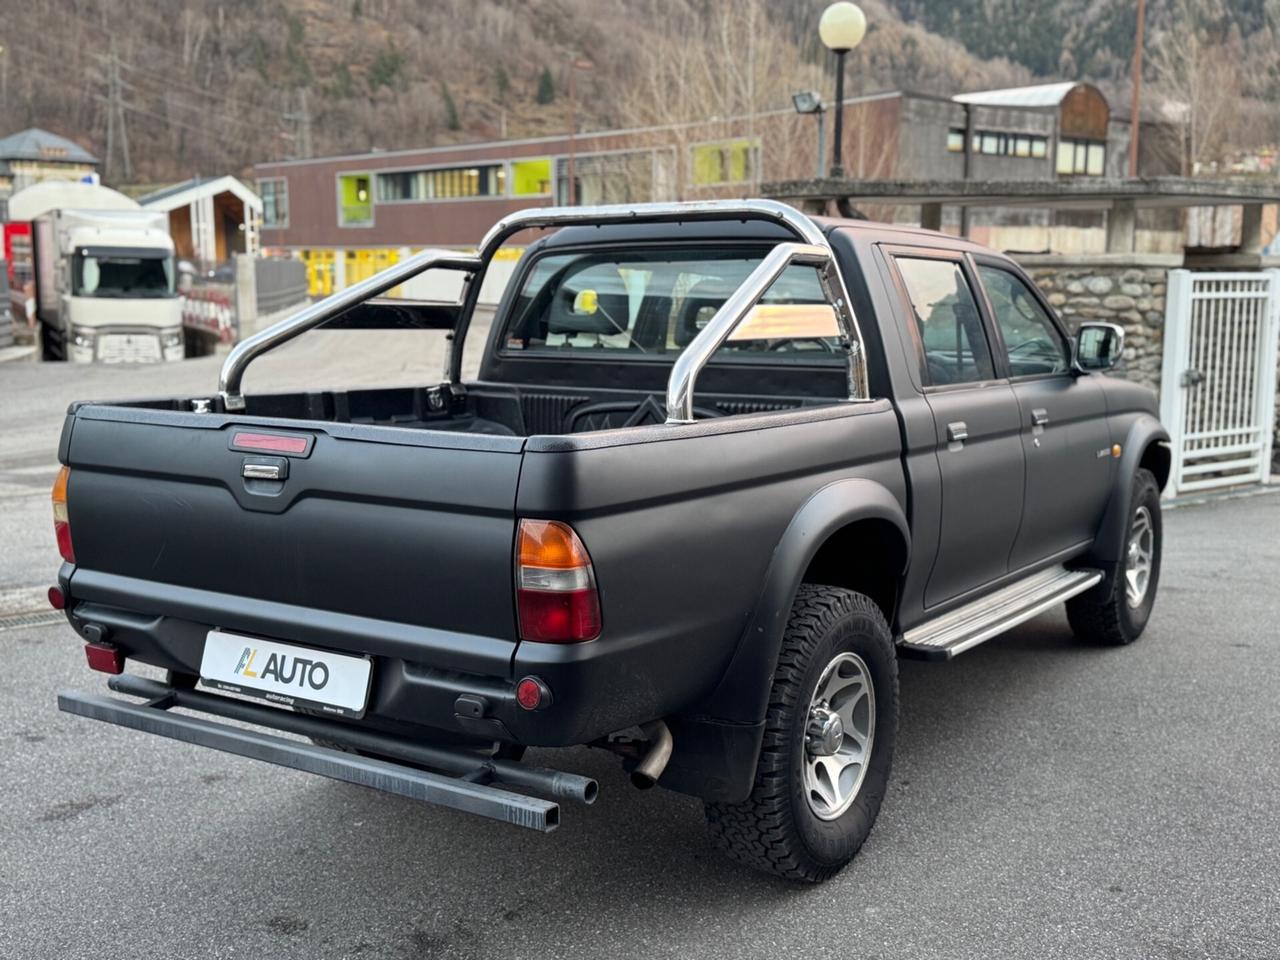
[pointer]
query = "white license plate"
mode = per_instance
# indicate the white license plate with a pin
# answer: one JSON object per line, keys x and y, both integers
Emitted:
{"x": 286, "y": 674}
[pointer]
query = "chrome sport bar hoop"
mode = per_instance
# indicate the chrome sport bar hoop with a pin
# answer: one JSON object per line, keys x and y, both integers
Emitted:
{"x": 803, "y": 228}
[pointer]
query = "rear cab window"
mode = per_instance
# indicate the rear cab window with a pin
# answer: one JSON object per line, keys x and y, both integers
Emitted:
{"x": 639, "y": 304}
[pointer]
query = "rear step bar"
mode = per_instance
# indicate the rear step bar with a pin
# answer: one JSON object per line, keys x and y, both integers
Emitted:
{"x": 955, "y": 632}
{"x": 465, "y": 784}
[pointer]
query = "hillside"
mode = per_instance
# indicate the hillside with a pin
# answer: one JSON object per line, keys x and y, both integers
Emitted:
{"x": 216, "y": 85}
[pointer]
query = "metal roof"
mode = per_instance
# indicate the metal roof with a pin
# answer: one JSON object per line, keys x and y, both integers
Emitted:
{"x": 1040, "y": 95}
{"x": 37, "y": 144}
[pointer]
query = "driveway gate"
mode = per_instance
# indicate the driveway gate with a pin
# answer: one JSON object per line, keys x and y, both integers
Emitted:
{"x": 1218, "y": 386}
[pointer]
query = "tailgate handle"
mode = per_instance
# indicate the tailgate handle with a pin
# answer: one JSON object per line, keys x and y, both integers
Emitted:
{"x": 264, "y": 468}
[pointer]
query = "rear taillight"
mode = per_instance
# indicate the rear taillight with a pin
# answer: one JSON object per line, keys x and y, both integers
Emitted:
{"x": 556, "y": 595}
{"x": 61, "y": 522}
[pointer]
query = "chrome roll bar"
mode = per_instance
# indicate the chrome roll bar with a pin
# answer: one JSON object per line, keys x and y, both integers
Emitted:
{"x": 812, "y": 248}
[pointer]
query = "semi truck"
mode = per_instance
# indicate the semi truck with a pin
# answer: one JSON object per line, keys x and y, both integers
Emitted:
{"x": 98, "y": 270}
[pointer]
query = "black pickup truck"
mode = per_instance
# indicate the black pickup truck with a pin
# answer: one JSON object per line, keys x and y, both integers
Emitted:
{"x": 723, "y": 464}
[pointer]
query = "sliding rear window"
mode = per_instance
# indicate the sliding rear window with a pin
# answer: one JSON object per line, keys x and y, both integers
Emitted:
{"x": 641, "y": 303}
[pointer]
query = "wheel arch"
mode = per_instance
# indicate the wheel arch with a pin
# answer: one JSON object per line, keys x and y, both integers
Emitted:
{"x": 1146, "y": 446}
{"x": 717, "y": 741}
{"x": 835, "y": 521}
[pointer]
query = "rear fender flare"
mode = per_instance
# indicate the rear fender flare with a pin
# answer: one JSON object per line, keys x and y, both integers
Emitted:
{"x": 742, "y": 695}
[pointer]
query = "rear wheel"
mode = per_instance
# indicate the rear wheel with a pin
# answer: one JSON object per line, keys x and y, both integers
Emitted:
{"x": 1116, "y": 614}
{"x": 828, "y": 742}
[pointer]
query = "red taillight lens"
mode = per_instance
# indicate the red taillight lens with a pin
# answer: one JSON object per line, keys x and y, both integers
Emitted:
{"x": 556, "y": 597}
{"x": 61, "y": 520}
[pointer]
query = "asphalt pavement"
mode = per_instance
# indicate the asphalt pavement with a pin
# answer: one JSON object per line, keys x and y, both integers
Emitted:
{"x": 1048, "y": 800}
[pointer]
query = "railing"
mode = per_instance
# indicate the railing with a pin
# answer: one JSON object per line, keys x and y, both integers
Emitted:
{"x": 812, "y": 249}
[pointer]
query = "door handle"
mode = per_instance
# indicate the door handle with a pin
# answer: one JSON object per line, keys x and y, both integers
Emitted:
{"x": 1039, "y": 417}
{"x": 957, "y": 432}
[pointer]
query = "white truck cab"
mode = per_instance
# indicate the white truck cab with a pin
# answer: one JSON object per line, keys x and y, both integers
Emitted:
{"x": 104, "y": 272}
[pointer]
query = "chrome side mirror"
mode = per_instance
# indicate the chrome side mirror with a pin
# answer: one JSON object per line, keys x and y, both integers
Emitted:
{"x": 1098, "y": 346}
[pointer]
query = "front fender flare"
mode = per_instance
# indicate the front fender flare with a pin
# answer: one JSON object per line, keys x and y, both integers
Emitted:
{"x": 1109, "y": 542}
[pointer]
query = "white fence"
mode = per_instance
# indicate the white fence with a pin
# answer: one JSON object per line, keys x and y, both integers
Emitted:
{"x": 1218, "y": 387}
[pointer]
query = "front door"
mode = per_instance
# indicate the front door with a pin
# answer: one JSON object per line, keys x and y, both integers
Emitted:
{"x": 977, "y": 422}
{"x": 1065, "y": 436}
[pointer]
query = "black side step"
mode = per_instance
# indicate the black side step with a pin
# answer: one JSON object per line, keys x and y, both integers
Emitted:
{"x": 468, "y": 788}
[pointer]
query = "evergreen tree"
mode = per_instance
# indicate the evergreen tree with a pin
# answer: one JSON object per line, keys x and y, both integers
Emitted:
{"x": 546, "y": 87}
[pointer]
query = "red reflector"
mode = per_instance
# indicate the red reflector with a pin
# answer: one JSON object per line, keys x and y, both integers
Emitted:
{"x": 267, "y": 441}
{"x": 532, "y": 693}
{"x": 57, "y": 599}
{"x": 569, "y": 616}
{"x": 103, "y": 658}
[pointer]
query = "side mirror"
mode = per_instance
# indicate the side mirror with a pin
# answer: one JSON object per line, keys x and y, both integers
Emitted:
{"x": 1098, "y": 346}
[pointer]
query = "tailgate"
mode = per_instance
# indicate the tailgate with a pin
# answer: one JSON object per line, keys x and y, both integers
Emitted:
{"x": 404, "y": 526}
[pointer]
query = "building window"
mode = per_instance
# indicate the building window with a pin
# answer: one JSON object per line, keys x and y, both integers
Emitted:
{"x": 275, "y": 202}
{"x": 731, "y": 161}
{"x": 531, "y": 178}
{"x": 442, "y": 184}
{"x": 991, "y": 144}
{"x": 1081, "y": 158}
{"x": 355, "y": 202}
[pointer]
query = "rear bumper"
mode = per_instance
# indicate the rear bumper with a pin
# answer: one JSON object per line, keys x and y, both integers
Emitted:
{"x": 419, "y": 673}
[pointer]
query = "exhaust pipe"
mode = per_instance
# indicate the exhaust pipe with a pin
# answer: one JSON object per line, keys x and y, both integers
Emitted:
{"x": 654, "y": 761}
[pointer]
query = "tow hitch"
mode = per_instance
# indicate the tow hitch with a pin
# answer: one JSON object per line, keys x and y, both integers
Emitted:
{"x": 464, "y": 781}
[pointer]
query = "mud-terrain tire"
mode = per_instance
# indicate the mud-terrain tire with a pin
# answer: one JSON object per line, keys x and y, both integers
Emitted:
{"x": 787, "y": 826}
{"x": 1115, "y": 614}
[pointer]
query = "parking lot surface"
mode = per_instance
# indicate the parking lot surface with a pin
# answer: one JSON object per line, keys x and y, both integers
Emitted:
{"x": 1049, "y": 799}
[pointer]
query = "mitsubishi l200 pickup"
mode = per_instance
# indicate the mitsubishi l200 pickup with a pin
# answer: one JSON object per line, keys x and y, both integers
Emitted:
{"x": 723, "y": 465}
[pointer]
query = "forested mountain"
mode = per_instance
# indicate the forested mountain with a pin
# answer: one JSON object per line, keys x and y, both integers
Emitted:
{"x": 210, "y": 86}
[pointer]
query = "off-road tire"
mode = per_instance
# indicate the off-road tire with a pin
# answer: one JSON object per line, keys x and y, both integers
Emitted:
{"x": 1103, "y": 615}
{"x": 775, "y": 829}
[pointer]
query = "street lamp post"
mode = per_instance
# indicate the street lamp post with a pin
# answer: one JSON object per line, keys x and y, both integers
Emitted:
{"x": 842, "y": 27}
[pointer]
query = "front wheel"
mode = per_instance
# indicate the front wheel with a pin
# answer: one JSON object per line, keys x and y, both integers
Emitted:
{"x": 1117, "y": 615}
{"x": 828, "y": 742}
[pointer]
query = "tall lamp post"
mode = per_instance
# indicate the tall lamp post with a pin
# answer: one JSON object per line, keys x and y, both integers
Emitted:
{"x": 842, "y": 27}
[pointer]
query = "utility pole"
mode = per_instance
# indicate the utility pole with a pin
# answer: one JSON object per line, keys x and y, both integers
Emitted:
{"x": 300, "y": 120}
{"x": 117, "y": 129}
{"x": 1135, "y": 118}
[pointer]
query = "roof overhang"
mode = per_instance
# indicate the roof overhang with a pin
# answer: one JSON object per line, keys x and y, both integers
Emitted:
{"x": 183, "y": 195}
{"x": 1083, "y": 193}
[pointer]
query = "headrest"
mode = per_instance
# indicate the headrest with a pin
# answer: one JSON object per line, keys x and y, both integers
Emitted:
{"x": 705, "y": 294}
{"x": 612, "y": 305}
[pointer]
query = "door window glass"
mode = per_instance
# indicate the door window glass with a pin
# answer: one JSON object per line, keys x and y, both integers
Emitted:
{"x": 1032, "y": 341}
{"x": 946, "y": 315}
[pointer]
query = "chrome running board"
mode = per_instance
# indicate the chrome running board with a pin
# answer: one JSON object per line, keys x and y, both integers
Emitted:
{"x": 955, "y": 632}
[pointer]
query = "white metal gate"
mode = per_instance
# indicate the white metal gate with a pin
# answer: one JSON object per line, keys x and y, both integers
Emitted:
{"x": 1218, "y": 386}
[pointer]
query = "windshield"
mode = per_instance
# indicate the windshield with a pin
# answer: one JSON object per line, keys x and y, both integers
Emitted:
{"x": 136, "y": 274}
{"x": 653, "y": 303}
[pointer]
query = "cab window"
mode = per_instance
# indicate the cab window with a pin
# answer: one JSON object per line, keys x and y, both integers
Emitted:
{"x": 1032, "y": 342}
{"x": 945, "y": 313}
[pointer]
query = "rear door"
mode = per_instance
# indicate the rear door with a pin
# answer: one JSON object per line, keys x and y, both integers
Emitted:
{"x": 395, "y": 525}
{"x": 976, "y": 419}
{"x": 1065, "y": 437}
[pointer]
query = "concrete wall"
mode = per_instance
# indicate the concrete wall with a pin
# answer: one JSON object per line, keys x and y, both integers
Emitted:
{"x": 922, "y": 137}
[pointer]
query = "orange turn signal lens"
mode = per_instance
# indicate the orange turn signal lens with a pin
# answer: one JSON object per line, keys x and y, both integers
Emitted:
{"x": 550, "y": 544}
{"x": 61, "y": 519}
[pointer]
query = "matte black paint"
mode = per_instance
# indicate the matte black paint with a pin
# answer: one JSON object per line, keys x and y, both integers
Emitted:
{"x": 394, "y": 537}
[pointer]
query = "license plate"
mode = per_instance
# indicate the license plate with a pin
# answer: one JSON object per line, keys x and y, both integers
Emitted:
{"x": 286, "y": 674}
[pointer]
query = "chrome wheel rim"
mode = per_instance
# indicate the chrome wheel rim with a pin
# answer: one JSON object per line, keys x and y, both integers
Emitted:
{"x": 840, "y": 730}
{"x": 1139, "y": 557}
